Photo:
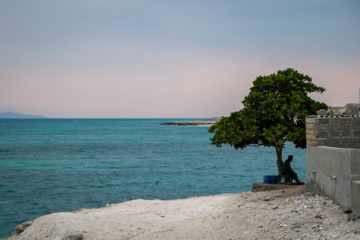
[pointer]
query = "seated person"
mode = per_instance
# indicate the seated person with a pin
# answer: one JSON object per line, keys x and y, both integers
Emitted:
{"x": 287, "y": 170}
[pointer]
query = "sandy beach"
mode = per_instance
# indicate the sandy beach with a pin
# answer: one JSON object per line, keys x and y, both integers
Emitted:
{"x": 280, "y": 214}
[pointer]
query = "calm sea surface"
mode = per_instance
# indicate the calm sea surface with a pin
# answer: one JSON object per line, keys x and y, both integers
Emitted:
{"x": 55, "y": 165}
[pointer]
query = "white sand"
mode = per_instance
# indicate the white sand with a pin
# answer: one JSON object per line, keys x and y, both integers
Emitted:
{"x": 281, "y": 214}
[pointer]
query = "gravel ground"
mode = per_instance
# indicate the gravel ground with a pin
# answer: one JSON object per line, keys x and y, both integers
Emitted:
{"x": 281, "y": 214}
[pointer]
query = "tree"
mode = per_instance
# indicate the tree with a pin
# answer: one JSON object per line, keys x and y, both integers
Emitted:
{"x": 274, "y": 112}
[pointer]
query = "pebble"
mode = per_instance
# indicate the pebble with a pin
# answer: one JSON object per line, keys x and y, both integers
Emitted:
{"x": 266, "y": 199}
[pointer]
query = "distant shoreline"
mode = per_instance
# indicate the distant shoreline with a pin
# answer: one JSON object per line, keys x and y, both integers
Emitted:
{"x": 13, "y": 115}
{"x": 191, "y": 123}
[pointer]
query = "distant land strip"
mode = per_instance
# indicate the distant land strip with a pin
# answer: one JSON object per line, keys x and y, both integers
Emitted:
{"x": 191, "y": 123}
{"x": 18, "y": 115}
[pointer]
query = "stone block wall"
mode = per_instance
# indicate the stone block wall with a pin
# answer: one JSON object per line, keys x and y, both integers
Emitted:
{"x": 333, "y": 157}
{"x": 340, "y": 132}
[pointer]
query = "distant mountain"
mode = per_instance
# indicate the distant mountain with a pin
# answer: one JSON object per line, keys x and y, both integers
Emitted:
{"x": 18, "y": 115}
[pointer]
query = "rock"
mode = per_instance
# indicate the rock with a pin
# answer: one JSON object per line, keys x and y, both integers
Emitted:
{"x": 20, "y": 228}
{"x": 352, "y": 109}
{"x": 296, "y": 226}
{"x": 352, "y": 217}
{"x": 266, "y": 199}
{"x": 330, "y": 112}
{"x": 321, "y": 112}
{"x": 72, "y": 234}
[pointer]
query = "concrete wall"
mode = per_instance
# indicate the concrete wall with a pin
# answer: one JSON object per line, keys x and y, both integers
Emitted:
{"x": 333, "y": 158}
{"x": 355, "y": 197}
{"x": 340, "y": 132}
{"x": 335, "y": 173}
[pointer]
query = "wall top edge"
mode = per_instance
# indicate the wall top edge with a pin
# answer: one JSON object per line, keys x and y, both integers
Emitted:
{"x": 335, "y": 148}
{"x": 327, "y": 116}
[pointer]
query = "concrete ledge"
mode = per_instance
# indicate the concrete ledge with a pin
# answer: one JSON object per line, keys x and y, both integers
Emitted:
{"x": 262, "y": 187}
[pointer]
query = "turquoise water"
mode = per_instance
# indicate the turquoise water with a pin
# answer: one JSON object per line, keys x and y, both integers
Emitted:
{"x": 53, "y": 165}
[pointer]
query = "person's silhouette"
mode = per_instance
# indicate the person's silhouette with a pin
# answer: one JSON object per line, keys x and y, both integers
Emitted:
{"x": 287, "y": 170}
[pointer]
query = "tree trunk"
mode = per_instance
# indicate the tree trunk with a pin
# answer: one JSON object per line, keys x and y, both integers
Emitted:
{"x": 279, "y": 160}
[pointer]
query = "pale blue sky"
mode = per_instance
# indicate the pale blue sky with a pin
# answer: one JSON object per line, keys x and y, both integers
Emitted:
{"x": 169, "y": 58}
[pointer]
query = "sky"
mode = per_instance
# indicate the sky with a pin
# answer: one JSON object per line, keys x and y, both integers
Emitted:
{"x": 167, "y": 58}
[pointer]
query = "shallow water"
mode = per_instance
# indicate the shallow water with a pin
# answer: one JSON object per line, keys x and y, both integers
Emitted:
{"x": 53, "y": 165}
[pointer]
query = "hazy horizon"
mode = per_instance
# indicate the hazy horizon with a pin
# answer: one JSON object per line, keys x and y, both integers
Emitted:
{"x": 17, "y": 115}
{"x": 169, "y": 59}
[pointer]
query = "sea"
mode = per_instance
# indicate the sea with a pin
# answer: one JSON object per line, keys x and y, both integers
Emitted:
{"x": 61, "y": 165}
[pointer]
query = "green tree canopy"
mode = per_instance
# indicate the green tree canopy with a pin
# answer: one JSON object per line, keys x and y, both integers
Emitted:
{"x": 274, "y": 112}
